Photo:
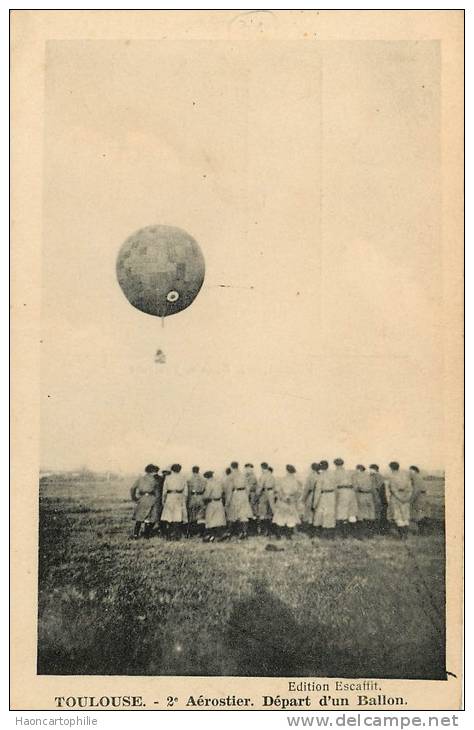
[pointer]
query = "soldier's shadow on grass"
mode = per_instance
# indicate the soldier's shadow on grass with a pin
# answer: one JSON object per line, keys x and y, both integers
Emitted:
{"x": 263, "y": 638}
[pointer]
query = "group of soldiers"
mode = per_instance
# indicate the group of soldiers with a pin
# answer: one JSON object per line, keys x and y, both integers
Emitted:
{"x": 331, "y": 501}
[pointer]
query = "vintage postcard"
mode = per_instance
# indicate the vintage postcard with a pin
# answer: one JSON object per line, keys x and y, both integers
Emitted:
{"x": 237, "y": 290}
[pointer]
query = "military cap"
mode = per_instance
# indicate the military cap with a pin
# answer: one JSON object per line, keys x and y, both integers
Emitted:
{"x": 338, "y": 462}
{"x": 151, "y": 469}
{"x": 375, "y": 467}
{"x": 360, "y": 467}
{"x": 415, "y": 468}
{"x": 249, "y": 466}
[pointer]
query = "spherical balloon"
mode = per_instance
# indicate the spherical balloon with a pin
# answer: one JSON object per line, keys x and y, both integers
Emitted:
{"x": 160, "y": 270}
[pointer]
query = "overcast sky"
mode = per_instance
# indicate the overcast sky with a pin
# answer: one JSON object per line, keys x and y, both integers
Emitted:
{"x": 307, "y": 171}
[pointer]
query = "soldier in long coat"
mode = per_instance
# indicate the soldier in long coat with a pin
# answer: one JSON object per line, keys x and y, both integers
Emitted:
{"x": 252, "y": 484}
{"x": 215, "y": 513}
{"x": 174, "y": 512}
{"x": 265, "y": 499}
{"x": 346, "y": 501}
{"x": 380, "y": 497}
{"x": 364, "y": 491}
{"x": 400, "y": 493}
{"x": 307, "y": 498}
{"x": 227, "y": 482}
{"x": 287, "y": 497}
{"x": 324, "y": 502}
{"x": 144, "y": 495}
{"x": 239, "y": 510}
{"x": 419, "y": 502}
{"x": 196, "y": 505}
{"x": 159, "y": 481}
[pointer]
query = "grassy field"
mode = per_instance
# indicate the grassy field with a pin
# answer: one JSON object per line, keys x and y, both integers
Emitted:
{"x": 108, "y": 605}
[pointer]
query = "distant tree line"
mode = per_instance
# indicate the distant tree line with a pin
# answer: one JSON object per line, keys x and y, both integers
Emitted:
{"x": 82, "y": 475}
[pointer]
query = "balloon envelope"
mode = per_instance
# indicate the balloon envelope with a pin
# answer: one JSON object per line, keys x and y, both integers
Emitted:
{"x": 160, "y": 270}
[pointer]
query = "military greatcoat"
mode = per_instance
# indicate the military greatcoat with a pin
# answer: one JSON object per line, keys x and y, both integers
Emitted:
{"x": 346, "y": 501}
{"x": 364, "y": 491}
{"x": 196, "y": 506}
{"x": 265, "y": 495}
{"x": 287, "y": 497}
{"x": 239, "y": 509}
{"x": 419, "y": 503}
{"x": 174, "y": 498}
{"x": 213, "y": 496}
{"x": 324, "y": 501}
{"x": 400, "y": 492}
{"x": 143, "y": 494}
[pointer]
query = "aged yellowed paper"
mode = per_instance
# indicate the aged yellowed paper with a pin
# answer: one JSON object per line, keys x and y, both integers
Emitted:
{"x": 237, "y": 281}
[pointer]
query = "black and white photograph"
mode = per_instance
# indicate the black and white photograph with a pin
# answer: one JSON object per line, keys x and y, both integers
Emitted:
{"x": 243, "y": 402}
